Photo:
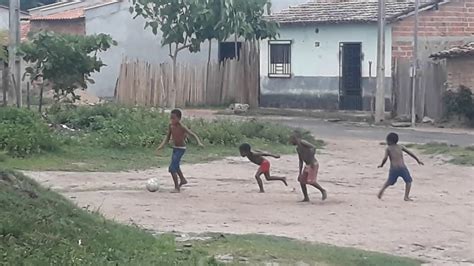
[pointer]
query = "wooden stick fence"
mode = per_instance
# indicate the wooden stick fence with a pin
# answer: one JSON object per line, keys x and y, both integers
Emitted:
{"x": 145, "y": 84}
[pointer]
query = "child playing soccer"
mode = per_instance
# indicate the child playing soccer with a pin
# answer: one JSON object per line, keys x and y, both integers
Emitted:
{"x": 178, "y": 132}
{"x": 308, "y": 175}
{"x": 397, "y": 165}
{"x": 257, "y": 157}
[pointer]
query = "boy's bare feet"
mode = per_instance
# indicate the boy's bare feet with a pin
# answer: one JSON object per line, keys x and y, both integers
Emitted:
{"x": 379, "y": 195}
{"x": 182, "y": 182}
{"x": 176, "y": 190}
{"x": 325, "y": 194}
{"x": 305, "y": 200}
{"x": 408, "y": 199}
{"x": 261, "y": 191}
{"x": 284, "y": 181}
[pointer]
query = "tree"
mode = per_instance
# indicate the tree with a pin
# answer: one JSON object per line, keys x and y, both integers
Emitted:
{"x": 185, "y": 24}
{"x": 65, "y": 61}
{"x": 176, "y": 20}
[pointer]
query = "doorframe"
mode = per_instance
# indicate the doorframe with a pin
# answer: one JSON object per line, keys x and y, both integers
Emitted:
{"x": 341, "y": 47}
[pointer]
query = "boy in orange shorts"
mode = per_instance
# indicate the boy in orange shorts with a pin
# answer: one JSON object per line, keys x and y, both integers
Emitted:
{"x": 308, "y": 175}
{"x": 257, "y": 157}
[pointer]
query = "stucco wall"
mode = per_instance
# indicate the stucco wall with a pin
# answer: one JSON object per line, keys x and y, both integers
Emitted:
{"x": 134, "y": 42}
{"x": 315, "y": 70}
{"x": 75, "y": 26}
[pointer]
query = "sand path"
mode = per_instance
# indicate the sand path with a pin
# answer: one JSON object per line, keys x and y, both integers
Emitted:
{"x": 222, "y": 197}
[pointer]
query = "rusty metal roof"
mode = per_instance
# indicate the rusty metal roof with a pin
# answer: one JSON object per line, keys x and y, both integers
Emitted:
{"x": 341, "y": 12}
{"x": 456, "y": 51}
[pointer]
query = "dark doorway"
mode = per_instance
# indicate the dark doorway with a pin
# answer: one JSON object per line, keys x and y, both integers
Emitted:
{"x": 350, "y": 89}
{"x": 227, "y": 50}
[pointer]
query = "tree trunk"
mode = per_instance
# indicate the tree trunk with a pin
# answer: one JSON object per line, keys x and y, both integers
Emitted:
{"x": 173, "y": 83}
{"x": 236, "y": 48}
{"x": 28, "y": 103}
{"x": 208, "y": 64}
{"x": 5, "y": 84}
{"x": 41, "y": 97}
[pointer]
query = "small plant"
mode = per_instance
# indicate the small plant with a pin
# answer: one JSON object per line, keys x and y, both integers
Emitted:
{"x": 23, "y": 133}
{"x": 460, "y": 103}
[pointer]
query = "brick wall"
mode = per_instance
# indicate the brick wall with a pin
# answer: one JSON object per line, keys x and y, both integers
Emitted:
{"x": 75, "y": 26}
{"x": 452, "y": 24}
{"x": 457, "y": 74}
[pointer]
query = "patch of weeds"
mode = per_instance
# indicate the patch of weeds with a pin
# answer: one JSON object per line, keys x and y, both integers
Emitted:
{"x": 458, "y": 155}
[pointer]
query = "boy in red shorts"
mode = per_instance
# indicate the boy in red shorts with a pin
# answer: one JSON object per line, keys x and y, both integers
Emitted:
{"x": 308, "y": 174}
{"x": 257, "y": 157}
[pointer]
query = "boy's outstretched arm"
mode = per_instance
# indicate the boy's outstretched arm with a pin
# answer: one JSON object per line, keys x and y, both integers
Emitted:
{"x": 300, "y": 163}
{"x": 385, "y": 158}
{"x": 267, "y": 154}
{"x": 307, "y": 144}
{"x": 412, "y": 155}
{"x": 165, "y": 140}
{"x": 194, "y": 136}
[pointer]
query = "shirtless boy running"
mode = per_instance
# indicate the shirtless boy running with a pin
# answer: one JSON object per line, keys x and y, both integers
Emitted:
{"x": 178, "y": 133}
{"x": 397, "y": 165}
{"x": 308, "y": 175}
{"x": 257, "y": 157}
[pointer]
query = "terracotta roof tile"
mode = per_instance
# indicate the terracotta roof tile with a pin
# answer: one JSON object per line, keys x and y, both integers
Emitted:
{"x": 456, "y": 51}
{"x": 340, "y": 12}
{"x": 65, "y": 15}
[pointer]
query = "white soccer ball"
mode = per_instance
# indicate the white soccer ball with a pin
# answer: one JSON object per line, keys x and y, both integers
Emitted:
{"x": 152, "y": 184}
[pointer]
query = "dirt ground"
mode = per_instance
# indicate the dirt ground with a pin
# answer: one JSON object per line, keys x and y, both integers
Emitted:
{"x": 223, "y": 197}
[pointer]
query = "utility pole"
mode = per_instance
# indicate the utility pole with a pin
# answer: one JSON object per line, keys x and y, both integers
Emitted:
{"x": 13, "y": 59}
{"x": 415, "y": 65}
{"x": 380, "y": 93}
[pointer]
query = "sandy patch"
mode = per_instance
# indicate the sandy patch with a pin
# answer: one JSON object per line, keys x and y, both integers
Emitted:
{"x": 222, "y": 197}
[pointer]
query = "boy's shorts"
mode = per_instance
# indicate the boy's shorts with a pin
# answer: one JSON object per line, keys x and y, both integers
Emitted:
{"x": 176, "y": 159}
{"x": 309, "y": 175}
{"x": 264, "y": 167}
{"x": 395, "y": 173}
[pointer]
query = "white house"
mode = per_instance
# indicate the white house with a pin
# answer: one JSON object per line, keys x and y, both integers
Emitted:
{"x": 325, "y": 56}
{"x": 113, "y": 18}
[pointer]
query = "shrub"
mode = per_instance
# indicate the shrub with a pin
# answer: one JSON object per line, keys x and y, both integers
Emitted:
{"x": 23, "y": 133}
{"x": 460, "y": 103}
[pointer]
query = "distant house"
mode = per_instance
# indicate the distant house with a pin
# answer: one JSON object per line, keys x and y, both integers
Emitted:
{"x": 326, "y": 54}
{"x": 113, "y": 17}
{"x": 459, "y": 65}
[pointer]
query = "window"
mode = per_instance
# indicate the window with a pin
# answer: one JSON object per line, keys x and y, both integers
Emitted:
{"x": 280, "y": 59}
{"x": 227, "y": 50}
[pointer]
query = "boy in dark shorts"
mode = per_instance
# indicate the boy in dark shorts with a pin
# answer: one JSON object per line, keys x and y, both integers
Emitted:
{"x": 397, "y": 165}
{"x": 308, "y": 175}
{"x": 257, "y": 157}
{"x": 178, "y": 133}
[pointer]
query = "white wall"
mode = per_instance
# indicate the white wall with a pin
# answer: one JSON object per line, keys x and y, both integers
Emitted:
{"x": 278, "y": 5}
{"x": 4, "y": 19}
{"x": 134, "y": 42}
{"x": 307, "y": 60}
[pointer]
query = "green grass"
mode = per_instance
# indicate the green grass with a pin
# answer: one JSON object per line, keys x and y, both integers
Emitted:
{"x": 456, "y": 154}
{"x": 259, "y": 249}
{"x": 40, "y": 227}
{"x": 95, "y": 158}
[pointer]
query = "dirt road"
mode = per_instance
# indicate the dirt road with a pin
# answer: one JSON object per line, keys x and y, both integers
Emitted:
{"x": 222, "y": 197}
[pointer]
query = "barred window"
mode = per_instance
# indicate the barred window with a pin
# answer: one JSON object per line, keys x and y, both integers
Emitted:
{"x": 280, "y": 59}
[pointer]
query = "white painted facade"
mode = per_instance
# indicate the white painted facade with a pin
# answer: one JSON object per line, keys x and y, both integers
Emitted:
{"x": 308, "y": 60}
{"x": 134, "y": 42}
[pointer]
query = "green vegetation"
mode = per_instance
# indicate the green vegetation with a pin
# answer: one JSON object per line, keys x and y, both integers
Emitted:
{"x": 460, "y": 104}
{"x": 456, "y": 154}
{"x": 39, "y": 227}
{"x": 258, "y": 249}
{"x": 114, "y": 138}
